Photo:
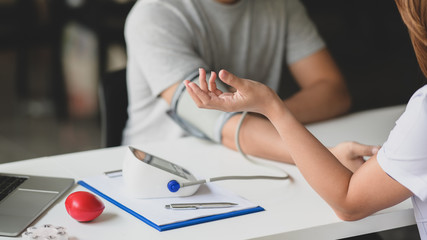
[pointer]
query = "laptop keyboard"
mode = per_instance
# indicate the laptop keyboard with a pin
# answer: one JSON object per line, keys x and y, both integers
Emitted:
{"x": 8, "y": 184}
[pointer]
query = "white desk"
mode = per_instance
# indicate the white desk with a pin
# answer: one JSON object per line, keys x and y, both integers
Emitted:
{"x": 293, "y": 210}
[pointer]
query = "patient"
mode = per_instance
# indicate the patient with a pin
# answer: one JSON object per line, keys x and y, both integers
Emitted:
{"x": 399, "y": 169}
{"x": 169, "y": 40}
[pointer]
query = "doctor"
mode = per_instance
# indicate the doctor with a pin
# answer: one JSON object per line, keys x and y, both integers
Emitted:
{"x": 397, "y": 172}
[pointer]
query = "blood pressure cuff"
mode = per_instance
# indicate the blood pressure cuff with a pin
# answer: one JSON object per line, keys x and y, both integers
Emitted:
{"x": 202, "y": 123}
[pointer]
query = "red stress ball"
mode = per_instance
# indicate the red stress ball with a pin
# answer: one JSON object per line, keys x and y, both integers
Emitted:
{"x": 84, "y": 206}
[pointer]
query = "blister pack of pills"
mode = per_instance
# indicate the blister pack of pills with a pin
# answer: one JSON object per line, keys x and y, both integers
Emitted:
{"x": 45, "y": 232}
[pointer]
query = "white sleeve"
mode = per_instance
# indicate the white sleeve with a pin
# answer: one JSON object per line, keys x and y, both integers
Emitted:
{"x": 404, "y": 155}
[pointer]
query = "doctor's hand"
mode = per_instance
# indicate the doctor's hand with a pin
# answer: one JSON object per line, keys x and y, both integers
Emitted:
{"x": 248, "y": 96}
{"x": 351, "y": 154}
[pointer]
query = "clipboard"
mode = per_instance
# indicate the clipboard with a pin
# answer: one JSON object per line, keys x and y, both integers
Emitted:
{"x": 153, "y": 211}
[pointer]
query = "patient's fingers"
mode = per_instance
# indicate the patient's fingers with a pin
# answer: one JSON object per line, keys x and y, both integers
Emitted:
{"x": 202, "y": 79}
{"x": 363, "y": 150}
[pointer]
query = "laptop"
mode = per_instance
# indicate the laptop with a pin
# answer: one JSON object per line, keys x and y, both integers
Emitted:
{"x": 23, "y": 198}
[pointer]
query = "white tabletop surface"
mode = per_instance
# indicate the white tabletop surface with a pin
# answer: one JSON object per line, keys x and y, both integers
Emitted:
{"x": 292, "y": 209}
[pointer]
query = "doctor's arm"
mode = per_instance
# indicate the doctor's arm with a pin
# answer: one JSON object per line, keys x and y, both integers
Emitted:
{"x": 354, "y": 195}
{"x": 323, "y": 95}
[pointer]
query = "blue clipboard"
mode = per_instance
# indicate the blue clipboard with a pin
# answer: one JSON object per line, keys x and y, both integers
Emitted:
{"x": 172, "y": 225}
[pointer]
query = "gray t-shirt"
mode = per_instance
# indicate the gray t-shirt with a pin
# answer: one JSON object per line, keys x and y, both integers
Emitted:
{"x": 168, "y": 40}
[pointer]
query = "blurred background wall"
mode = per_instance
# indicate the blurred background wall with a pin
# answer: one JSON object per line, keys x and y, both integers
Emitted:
{"x": 53, "y": 53}
{"x": 370, "y": 43}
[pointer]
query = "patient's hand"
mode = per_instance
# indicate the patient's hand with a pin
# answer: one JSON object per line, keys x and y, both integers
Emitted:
{"x": 351, "y": 154}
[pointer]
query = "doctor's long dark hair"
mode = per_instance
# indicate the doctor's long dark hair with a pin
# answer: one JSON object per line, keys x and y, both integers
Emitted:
{"x": 414, "y": 15}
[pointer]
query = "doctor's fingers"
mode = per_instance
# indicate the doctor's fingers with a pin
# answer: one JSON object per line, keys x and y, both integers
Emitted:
{"x": 232, "y": 80}
{"x": 189, "y": 86}
{"x": 200, "y": 97}
{"x": 202, "y": 79}
{"x": 212, "y": 84}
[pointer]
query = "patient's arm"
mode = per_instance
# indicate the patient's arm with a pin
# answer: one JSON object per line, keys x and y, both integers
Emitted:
{"x": 266, "y": 143}
{"x": 168, "y": 93}
{"x": 323, "y": 95}
{"x": 258, "y": 137}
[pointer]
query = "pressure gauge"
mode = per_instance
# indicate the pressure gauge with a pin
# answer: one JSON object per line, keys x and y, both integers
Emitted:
{"x": 148, "y": 176}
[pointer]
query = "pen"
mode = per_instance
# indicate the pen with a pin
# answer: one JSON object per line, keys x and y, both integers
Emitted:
{"x": 190, "y": 206}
